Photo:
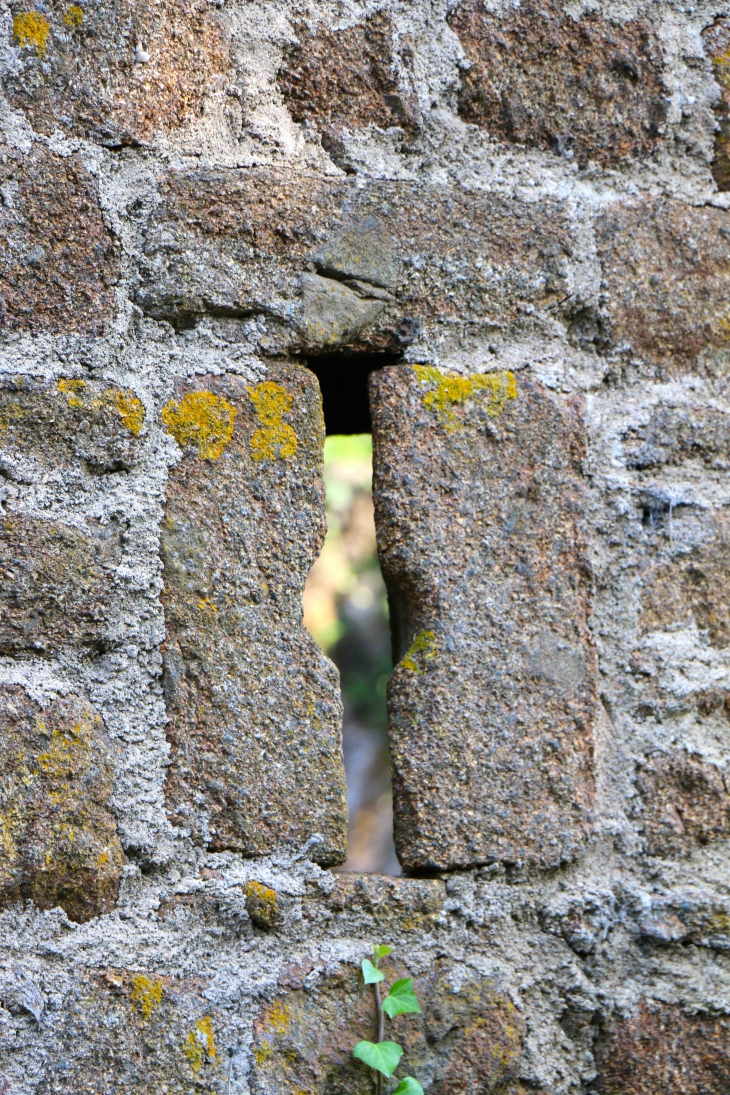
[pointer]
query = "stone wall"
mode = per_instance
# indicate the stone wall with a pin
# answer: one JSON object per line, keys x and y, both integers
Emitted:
{"x": 524, "y": 209}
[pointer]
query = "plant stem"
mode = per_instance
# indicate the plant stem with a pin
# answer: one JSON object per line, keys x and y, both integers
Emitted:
{"x": 379, "y": 1037}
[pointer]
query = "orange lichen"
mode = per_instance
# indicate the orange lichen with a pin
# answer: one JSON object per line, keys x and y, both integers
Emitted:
{"x": 201, "y": 420}
{"x": 74, "y": 17}
{"x": 146, "y": 994}
{"x": 130, "y": 409}
{"x": 275, "y": 437}
{"x": 32, "y": 29}
{"x": 450, "y": 391}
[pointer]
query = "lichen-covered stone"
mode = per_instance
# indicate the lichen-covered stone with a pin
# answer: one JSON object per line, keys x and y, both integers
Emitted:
{"x": 478, "y": 492}
{"x": 468, "y": 1037}
{"x": 262, "y": 904}
{"x": 59, "y": 424}
{"x": 666, "y": 1048}
{"x": 254, "y": 706}
{"x": 86, "y": 80}
{"x": 716, "y": 38}
{"x": 666, "y": 267}
{"x": 58, "y": 835}
{"x": 580, "y": 86}
{"x": 58, "y": 260}
{"x": 344, "y": 79}
{"x": 685, "y": 803}
{"x": 58, "y": 585}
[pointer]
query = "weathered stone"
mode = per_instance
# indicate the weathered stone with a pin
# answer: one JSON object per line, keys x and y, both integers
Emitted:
{"x": 467, "y": 1039}
{"x": 60, "y": 424}
{"x": 340, "y": 80}
{"x": 262, "y": 904}
{"x": 57, "y": 830}
{"x": 685, "y": 590}
{"x": 85, "y": 80}
{"x": 237, "y": 244}
{"x": 58, "y": 260}
{"x": 388, "y": 904}
{"x": 160, "y": 1033}
{"x": 685, "y": 802}
{"x": 666, "y": 1048}
{"x": 254, "y": 705}
{"x": 333, "y": 314}
{"x": 477, "y": 486}
{"x": 716, "y": 38}
{"x": 58, "y": 585}
{"x": 582, "y": 86}
{"x": 688, "y": 917}
{"x": 675, "y": 434}
{"x": 666, "y": 267}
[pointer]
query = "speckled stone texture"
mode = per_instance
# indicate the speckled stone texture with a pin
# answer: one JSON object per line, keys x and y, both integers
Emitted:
{"x": 254, "y": 705}
{"x": 716, "y": 38}
{"x": 58, "y": 832}
{"x": 478, "y": 497}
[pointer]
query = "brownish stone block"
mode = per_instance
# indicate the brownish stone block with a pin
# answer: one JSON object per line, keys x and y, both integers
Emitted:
{"x": 684, "y": 803}
{"x": 69, "y": 421}
{"x": 346, "y": 79}
{"x": 464, "y": 1041}
{"x": 254, "y": 705}
{"x": 716, "y": 38}
{"x": 666, "y": 267}
{"x": 478, "y": 493}
{"x": 80, "y": 74}
{"x": 57, "y": 830}
{"x": 664, "y": 1048}
{"x": 58, "y": 260}
{"x": 58, "y": 585}
{"x": 540, "y": 77}
{"x": 688, "y": 589}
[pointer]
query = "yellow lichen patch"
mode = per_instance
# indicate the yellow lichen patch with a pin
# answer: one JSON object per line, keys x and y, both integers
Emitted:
{"x": 722, "y": 61}
{"x": 129, "y": 408}
{"x": 146, "y": 994}
{"x": 201, "y": 420}
{"x": 74, "y": 17}
{"x": 200, "y": 1043}
{"x": 32, "y": 29}
{"x": 72, "y": 390}
{"x": 278, "y": 1018}
{"x": 206, "y": 605}
{"x": 261, "y": 1053}
{"x": 275, "y": 437}
{"x": 449, "y": 391}
{"x": 425, "y": 644}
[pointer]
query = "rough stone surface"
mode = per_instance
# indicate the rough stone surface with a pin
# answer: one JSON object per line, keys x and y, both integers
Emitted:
{"x": 717, "y": 45}
{"x": 254, "y": 705}
{"x": 663, "y": 1048}
{"x": 58, "y": 833}
{"x": 666, "y": 267}
{"x": 478, "y": 492}
{"x": 87, "y": 82}
{"x": 583, "y": 87}
{"x": 58, "y": 260}
{"x": 685, "y": 803}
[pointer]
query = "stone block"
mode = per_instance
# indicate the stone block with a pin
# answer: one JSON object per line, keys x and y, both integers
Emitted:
{"x": 58, "y": 586}
{"x": 716, "y": 39}
{"x": 685, "y": 803}
{"x": 58, "y": 425}
{"x": 57, "y": 829}
{"x": 58, "y": 260}
{"x": 665, "y": 1048}
{"x": 79, "y": 69}
{"x": 467, "y": 1039}
{"x": 675, "y": 434}
{"x": 478, "y": 494}
{"x": 584, "y": 87}
{"x": 343, "y": 79}
{"x": 254, "y": 706}
{"x": 666, "y": 270}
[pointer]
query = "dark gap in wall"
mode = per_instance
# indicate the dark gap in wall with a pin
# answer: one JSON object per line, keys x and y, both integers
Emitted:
{"x": 345, "y": 605}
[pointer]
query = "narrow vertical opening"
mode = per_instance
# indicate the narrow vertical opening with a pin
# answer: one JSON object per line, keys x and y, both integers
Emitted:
{"x": 345, "y": 606}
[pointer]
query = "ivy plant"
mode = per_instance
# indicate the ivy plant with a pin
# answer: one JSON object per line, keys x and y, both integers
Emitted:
{"x": 384, "y": 1056}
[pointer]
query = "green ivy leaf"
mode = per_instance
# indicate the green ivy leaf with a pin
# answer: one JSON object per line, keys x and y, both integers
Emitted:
{"x": 401, "y": 1000}
{"x": 381, "y": 950}
{"x": 382, "y": 1056}
{"x": 408, "y": 1086}
{"x": 370, "y": 974}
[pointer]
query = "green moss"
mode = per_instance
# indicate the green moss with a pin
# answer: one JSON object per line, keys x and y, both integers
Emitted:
{"x": 425, "y": 644}
{"x": 201, "y": 420}
{"x": 32, "y": 29}
{"x": 274, "y": 437}
{"x": 446, "y": 392}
